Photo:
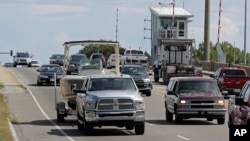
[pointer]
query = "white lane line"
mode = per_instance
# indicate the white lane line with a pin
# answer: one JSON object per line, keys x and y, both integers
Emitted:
{"x": 39, "y": 106}
{"x": 12, "y": 130}
{"x": 187, "y": 139}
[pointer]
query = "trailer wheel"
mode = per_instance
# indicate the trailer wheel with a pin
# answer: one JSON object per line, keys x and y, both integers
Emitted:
{"x": 79, "y": 124}
{"x": 60, "y": 107}
{"x": 60, "y": 117}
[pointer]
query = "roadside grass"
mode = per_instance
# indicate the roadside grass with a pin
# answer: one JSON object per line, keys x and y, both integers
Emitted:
{"x": 5, "y": 133}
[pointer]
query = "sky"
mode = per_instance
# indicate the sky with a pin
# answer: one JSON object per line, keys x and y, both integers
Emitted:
{"x": 40, "y": 27}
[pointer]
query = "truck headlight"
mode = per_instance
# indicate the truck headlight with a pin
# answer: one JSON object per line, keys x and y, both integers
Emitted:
{"x": 90, "y": 105}
{"x": 184, "y": 104}
{"x": 220, "y": 104}
{"x": 139, "y": 105}
{"x": 146, "y": 80}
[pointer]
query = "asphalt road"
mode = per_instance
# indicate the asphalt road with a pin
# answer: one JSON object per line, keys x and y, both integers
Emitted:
{"x": 34, "y": 107}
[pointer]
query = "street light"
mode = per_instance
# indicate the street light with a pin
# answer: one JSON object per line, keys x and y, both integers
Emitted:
{"x": 234, "y": 52}
{"x": 245, "y": 32}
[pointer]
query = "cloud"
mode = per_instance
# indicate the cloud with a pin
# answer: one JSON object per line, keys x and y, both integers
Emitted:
{"x": 61, "y": 37}
{"x": 196, "y": 33}
{"x": 228, "y": 30}
{"x": 129, "y": 9}
{"x": 56, "y": 9}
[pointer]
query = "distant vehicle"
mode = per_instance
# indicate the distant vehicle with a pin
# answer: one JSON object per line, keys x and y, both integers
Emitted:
{"x": 99, "y": 56}
{"x": 93, "y": 66}
{"x": 135, "y": 57}
{"x": 110, "y": 100}
{"x": 74, "y": 62}
{"x": 8, "y": 65}
{"x": 22, "y": 58}
{"x": 56, "y": 59}
{"x": 35, "y": 63}
{"x": 46, "y": 74}
{"x": 231, "y": 79}
{"x": 141, "y": 77}
{"x": 111, "y": 61}
{"x": 194, "y": 97}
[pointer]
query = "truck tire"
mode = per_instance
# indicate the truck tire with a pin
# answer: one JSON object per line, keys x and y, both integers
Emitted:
{"x": 221, "y": 120}
{"x": 148, "y": 93}
{"x": 169, "y": 115}
{"x": 130, "y": 127}
{"x": 164, "y": 78}
{"x": 156, "y": 79}
{"x": 38, "y": 83}
{"x": 88, "y": 129}
{"x": 178, "y": 119}
{"x": 140, "y": 128}
{"x": 68, "y": 73}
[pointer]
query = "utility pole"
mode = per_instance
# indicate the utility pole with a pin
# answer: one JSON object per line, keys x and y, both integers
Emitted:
{"x": 207, "y": 31}
{"x": 234, "y": 52}
{"x": 116, "y": 31}
{"x": 245, "y": 34}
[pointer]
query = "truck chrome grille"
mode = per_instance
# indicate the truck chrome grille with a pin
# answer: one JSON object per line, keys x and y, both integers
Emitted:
{"x": 115, "y": 104}
{"x": 202, "y": 104}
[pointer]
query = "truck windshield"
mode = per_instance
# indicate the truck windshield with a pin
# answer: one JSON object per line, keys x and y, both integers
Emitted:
{"x": 97, "y": 84}
{"x": 22, "y": 55}
{"x": 194, "y": 86}
{"x": 134, "y": 70}
{"x": 234, "y": 72}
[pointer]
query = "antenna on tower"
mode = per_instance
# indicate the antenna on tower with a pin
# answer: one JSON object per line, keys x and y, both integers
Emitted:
{"x": 218, "y": 39}
{"x": 173, "y": 18}
{"x": 116, "y": 31}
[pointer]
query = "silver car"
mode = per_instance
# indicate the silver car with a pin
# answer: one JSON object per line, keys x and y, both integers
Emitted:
{"x": 111, "y": 61}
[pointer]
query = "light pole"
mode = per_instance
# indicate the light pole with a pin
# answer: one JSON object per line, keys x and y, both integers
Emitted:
{"x": 245, "y": 32}
{"x": 234, "y": 52}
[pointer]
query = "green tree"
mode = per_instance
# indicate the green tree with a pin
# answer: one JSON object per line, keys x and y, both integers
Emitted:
{"x": 106, "y": 50}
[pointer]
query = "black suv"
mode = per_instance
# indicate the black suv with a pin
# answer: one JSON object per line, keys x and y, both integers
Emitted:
{"x": 140, "y": 76}
{"x": 74, "y": 62}
{"x": 56, "y": 59}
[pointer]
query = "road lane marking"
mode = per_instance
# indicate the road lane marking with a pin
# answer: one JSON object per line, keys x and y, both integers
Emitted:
{"x": 12, "y": 130}
{"x": 187, "y": 139}
{"x": 43, "y": 112}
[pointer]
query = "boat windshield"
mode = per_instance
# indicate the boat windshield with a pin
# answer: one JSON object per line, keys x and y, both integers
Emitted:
{"x": 91, "y": 64}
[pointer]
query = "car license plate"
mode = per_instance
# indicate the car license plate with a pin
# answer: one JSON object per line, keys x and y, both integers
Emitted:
{"x": 52, "y": 80}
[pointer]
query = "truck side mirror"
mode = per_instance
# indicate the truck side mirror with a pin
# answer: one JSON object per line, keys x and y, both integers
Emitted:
{"x": 240, "y": 101}
{"x": 170, "y": 93}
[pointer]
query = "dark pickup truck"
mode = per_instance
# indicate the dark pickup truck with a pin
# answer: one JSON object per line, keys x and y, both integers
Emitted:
{"x": 239, "y": 107}
{"x": 231, "y": 79}
{"x": 194, "y": 97}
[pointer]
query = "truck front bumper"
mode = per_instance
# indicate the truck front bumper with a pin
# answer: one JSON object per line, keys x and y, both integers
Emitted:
{"x": 201, "y": 113}
{"x": 114, "y": 117}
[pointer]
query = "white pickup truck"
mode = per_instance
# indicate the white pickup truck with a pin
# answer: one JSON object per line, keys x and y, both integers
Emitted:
{"x": 134, "y": 56}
